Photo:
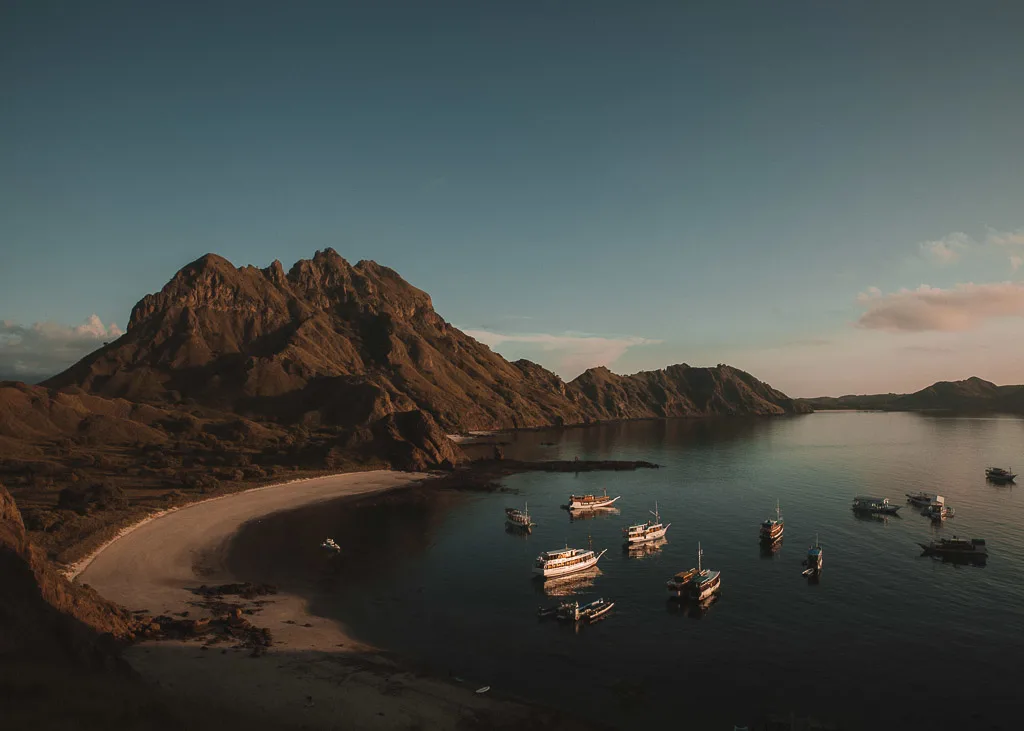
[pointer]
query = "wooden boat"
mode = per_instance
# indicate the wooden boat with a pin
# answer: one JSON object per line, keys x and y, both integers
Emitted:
{"x": 590, "y": 502}
{"x": 707, "y": 582}
{"x": 814, "y": 560}
{"x": 921, "y": 499}
{"x": 553, "y": 611}
{"x": 519, "y": 519}
{"x": 679, "y": 584}
{"x": 998, "y": 474}
{"x": 652, "y": 530}
{"x": 867, "y": 504}
{"x": 574, "y": 612}
{"x": 938, "y": 511}
{"x": 973, "y": 549}
{"x": 566, "y": 561}
{"x": 772, "y": 529}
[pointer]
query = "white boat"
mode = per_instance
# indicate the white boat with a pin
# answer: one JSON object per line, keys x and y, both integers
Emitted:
{"x": 519, "y": 518}
{"x": 566, "y": 561}
{"x": 707, "y": 582}
{"x": 590, "y": 502}
{"x": 652, "y": 530}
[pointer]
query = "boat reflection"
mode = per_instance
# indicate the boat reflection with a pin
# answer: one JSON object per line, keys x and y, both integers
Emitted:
{"x": 575, "y": 515}
{"x": 957, "y": 561}
{"x": 876, "y": 517}
{"x": 768, "y": 550}
{"x": 568, "y": 585}
{"x": 518, "y": 531}
{"x": 643, "y": 550}
{"x": 691, "y": 608}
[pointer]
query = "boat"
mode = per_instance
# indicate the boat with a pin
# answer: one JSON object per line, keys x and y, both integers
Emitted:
{"x": 921, "y": 499}
{"x": 707, "y": 582}
{"x": 652, "y": 530}
{"x": 867, "y": 504}
{"x": 519, "y": 518}
{"x": 566, "y": 561}
{"x": 679, "y": 585}
{"x": 772, "y": 529}
{"x": 974, "y": 548}
{"x": 575, "y": 612}
{"x": 553, "y": 611}
{"x": 590, "y": 502}
{"x": 998, "y": 474}
{"x": 938, "y": 510}
{"x": 814, "y": 559}
{"x": 331, "y": 545}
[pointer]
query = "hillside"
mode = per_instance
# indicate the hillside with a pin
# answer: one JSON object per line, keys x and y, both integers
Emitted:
{"x": 330, "y": 343}
{"x": 970, "y": 395}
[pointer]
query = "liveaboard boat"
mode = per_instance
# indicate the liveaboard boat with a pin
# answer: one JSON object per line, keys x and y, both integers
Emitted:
{"x": 707, "y": 582}
{"x": 814, "y": 560}
{"x": 590, "y": 502}
{"x": 652, "y": 530}
{"x": 867, "y": 504}
{"x": 998, "y": 474}
{"x": 519, "y": 519}
{"x": 957, "y": 548}
{"x": 921, "y": 499}
{"x": 773, "y": 528}
{"x": 566, "y": 561}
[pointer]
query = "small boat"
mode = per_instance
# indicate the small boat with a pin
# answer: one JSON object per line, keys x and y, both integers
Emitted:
{"x": 866, "y": 504}
{"x": 938, "y": 511}
{"x": 974, "y": 549}
{"x": 707, "y": 582}
{"x": 921, "y": 499}
{"x": 590, "y": 502}
{"x": 998, "y": 474}
{"x": 814, "y": 559}
{"x": 575, "y": 612}
{"x": 566, "y": 561}
{"x": 519, "y": 518}
{"x": 772, "y": 529}
{"x": 652, "y": 530}
{"x": 553, "y": 611}
{"x": 331, "y": 545}
{"x": 679, "y": 584}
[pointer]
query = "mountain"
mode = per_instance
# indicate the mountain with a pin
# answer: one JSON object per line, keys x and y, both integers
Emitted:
{"x": 330, "y": 343}
{"x": 970, "y": 395}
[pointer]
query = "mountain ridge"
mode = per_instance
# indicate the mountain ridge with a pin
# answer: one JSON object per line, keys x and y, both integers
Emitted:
{"x": 971, "y": 394}
{"x": 328, "y": 342}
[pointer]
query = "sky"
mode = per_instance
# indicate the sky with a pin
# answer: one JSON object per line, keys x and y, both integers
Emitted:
{"x": 827, "y": 195}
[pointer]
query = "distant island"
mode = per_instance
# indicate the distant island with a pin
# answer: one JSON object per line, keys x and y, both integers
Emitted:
{"x": 973, "y": 395}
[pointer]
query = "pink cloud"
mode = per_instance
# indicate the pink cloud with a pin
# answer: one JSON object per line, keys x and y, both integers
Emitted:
{"x": 963, "y": 307}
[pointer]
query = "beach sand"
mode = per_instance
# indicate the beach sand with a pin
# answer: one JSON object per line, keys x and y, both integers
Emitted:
{"x": 351, "y": 685}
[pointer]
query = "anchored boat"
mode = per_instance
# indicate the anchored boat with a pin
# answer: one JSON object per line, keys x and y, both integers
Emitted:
{"x": 591, "y": 612}
{"x": 707, "y": 582}
{"x": 814, "y": 559}
{"x": 772, "y": 529}
{"x": 331, "y": 545}
{"x": 566, "y": 561}
{"x": 590, "y": 502}
{"x": 998, "y": 474}
{"x": 652, "y": 530}
{"x": 866, "y": 504}
{"x": 519, "y": 518}
{"x": 957, "y": 548}
{"x": 921, "y": 499}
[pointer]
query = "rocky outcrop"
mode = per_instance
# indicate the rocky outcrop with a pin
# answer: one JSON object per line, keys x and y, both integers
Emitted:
{"x": 330, "y": 343}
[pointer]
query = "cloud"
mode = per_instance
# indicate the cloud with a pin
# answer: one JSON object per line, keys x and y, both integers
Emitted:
{"x": 1006, "y": 238}
{"x": 963, "y": 307}
{"x": 46, "y": 348}
{"x": 567, "y": 353}
{"x": 948, "y": 249}
{"x": 1016, "y": 261}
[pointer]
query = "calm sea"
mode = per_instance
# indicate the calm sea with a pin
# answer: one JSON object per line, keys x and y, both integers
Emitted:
{"x": 887, "y": 639}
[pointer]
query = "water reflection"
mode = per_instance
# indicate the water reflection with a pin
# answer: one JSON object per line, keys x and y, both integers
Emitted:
{"x": 644, "y": 550}
{"x": 568, "y": 585}
{"x": 591, "y": 514}
{"x": 769, "y": 550}
{"x": 691, "y": 608}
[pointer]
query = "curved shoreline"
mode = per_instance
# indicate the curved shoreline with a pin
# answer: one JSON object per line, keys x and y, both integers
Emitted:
{"x": 151, "y": 565}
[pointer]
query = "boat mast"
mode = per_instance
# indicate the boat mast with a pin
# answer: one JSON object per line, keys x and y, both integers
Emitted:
{"x": 654, "y": 512}
{"x": 700, "y": 555}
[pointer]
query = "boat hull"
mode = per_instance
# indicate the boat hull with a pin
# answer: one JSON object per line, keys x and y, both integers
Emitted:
{"x": 592, "y": 505}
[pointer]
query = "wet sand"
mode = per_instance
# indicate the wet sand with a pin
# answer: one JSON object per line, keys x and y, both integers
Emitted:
{"x": 351, "y": 685}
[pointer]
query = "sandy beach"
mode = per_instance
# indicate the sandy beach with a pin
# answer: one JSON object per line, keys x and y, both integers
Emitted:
{"x": 351, "y": 685}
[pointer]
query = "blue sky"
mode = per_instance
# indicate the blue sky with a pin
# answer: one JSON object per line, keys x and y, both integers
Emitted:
{"x": 634, "y": 184}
